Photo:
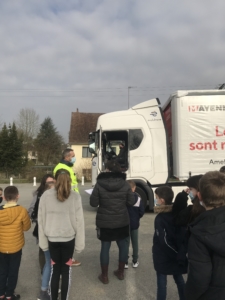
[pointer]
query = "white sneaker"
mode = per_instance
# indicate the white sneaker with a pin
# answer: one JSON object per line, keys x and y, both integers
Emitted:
{"x": 126, "y": 266}
{"x": 135, "y": 265}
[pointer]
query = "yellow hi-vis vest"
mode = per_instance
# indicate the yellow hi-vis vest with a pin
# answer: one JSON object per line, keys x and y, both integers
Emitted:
{"x": 74, "y": 183}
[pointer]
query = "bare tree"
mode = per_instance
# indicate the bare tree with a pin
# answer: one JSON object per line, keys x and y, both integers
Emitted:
{"x": 27, "y": 123}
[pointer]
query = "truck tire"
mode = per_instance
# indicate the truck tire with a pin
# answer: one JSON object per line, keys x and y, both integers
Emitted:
{"x": 143, "y": 196}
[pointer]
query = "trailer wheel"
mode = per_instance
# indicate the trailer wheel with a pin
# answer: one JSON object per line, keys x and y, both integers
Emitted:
{"x": 143, "y": 196}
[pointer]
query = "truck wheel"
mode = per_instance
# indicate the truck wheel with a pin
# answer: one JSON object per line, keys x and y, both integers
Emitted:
{"x": 143, "y": 196}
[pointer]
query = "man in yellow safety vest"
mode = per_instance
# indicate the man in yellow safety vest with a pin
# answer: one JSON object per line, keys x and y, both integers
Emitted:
{"x": 67, "y": 162}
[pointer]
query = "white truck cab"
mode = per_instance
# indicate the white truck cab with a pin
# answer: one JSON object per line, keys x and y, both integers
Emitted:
{"x": 141, "y": 130}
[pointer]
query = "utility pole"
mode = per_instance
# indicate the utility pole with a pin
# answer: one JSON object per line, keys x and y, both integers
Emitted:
{"x": 129, "y": 87}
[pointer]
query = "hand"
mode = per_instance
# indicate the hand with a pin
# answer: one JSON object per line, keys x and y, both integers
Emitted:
{"x": 187, "y": 190}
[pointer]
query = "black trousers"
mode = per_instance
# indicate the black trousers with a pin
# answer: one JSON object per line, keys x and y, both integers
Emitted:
{"x": 61, "y": 259}
{"x": 9, "y": 270}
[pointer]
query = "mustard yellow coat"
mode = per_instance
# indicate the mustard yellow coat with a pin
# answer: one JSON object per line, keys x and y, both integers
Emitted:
{"x": 14, "y": 220}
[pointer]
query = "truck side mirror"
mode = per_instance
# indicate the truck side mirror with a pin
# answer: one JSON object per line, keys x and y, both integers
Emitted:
{"x": 92, "y": 151}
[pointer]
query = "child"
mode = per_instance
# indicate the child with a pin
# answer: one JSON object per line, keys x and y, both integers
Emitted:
{"x": 206, "y": 246}
{"x": 47, "y": 267}
{"x": 166, "y": 241}
{"x": 222, "y": 169}
{"x": 60, "y": 220}
{"x": 184, "y": 214}
{"x": 135, "y": 213}
{"x": 14, "y": 219}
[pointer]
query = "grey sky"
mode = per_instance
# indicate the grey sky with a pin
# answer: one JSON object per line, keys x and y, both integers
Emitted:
{"x": 57, "y": 56}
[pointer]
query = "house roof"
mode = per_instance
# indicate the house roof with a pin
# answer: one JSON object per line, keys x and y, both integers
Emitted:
{"x": 81, "y": 125}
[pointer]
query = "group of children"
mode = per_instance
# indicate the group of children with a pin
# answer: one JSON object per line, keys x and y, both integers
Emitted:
{"x": 188, "y": 239}
{"x": 191, "y": 239}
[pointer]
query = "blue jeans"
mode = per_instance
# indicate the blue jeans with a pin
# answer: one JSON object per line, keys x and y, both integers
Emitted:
{"x": 162, "y": 283}
{"x": 123, "y": 251}
{"x": 134, "y": 240}
{"x": 46, "y": 272}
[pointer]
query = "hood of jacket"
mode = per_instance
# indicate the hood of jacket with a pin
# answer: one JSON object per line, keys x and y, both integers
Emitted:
{"x": 209, "y": 228}
{"x": 162, "y": 209}
{"x": 111, "y": 181}
{"x": 10, "y": 214}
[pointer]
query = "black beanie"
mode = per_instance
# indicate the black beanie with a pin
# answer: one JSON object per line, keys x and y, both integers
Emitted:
{"x": 193, "y": 181}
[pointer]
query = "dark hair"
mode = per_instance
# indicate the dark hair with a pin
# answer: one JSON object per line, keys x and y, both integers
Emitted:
{"x": 48, "y": 185}
{"x": 222, "y": 169}
{"x": 1, "y": 189}
{"x": 113, "y": 166}
{"x": 11, "y": 193}
{"x": 166, "y": 193}
{"x": 212, "y": 189}
{"x": 41, "y": 188}
{"x": 66, "y": 152}
{"x": 197, "y": 209}
{"x": 193, "y": 181}
{"x": 63, "y": 184}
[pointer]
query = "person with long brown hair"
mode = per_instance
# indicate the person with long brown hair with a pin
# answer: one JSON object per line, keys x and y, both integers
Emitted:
{"x": 47, "y": 179}
{"x": 61, "y": 228}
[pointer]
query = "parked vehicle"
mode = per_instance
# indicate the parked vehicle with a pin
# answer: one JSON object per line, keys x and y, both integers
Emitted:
{"x": 185, "y": 137}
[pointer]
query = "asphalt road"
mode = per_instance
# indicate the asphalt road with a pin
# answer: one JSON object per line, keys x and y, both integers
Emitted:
{"x": 139, "y": 283}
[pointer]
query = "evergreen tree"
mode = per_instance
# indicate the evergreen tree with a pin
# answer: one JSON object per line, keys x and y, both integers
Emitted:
{"x": 11, "y": 151}
{"x": 48, "y": 143}
{"x": 4, "y": 145}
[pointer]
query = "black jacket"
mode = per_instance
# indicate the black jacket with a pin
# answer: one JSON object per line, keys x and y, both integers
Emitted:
{"x": 169, "y": 254}
{"x": 184, "y": 214}
{"x": 112, "y": 194}
{"x": 136, "y": 212}
{"x": 206, "y": 255}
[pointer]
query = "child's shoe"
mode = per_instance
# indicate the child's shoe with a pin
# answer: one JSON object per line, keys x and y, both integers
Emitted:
{"x": 13, "y": 297}
{"x": 126, "y": 265}
{"x": 2, "y": 297}
{"x": 44, "y": 295}
{"x": 135, "y": 264}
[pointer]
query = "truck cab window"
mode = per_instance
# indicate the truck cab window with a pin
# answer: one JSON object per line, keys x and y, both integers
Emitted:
{"x": 114, "y": 147}
{"x": 135, "y": 138}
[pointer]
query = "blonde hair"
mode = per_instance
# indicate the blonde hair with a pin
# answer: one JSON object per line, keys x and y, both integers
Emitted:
{"x": 212, "y": 189}
{"x": 63, "y": 184}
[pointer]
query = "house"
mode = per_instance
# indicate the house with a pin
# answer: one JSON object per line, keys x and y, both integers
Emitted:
{"x": 80, "y": 127}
